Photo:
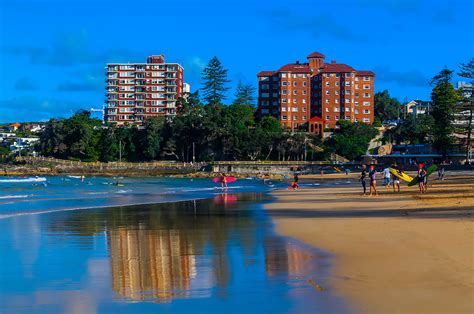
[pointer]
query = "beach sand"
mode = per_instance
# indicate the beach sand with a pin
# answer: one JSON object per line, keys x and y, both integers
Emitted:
{"x": 394, "y": 253}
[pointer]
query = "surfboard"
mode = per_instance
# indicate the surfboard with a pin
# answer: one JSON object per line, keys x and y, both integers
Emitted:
{"x": 400, "y": 174}
{"x": 229, "y": 179}
{"x": 429, "y": 171}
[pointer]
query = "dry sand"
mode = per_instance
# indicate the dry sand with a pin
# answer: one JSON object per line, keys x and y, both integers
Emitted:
{"x": 394, "y": 253}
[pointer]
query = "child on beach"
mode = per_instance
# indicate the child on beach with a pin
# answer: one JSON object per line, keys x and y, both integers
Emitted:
{"x": 386, "y": 177}
{"x": 395, "y": 180}
{"x": 373, "y": 182}
{"x": 224, "y": 182}
{"x": 363, "y": 175}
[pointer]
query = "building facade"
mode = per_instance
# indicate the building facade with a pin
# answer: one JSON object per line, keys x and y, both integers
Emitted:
{"x": 333, "y": 91}
{"x": 139, "y": 90}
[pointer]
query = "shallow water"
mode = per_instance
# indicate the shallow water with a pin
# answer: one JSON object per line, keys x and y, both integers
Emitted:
{"x": 206, "y": 256}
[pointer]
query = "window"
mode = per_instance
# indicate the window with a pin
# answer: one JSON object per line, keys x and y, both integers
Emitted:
{"x": 337, "y": 83}
{"x": 304, "y": 92}
{"x": 348, "y": 83}
{"x": 283, "y": 75}
{"x": 347, "y": 101}
{"x": 265, "y": 86}
{"x": 265, "y": 111}
{"x": 348, "y": 75}
{"x": 304, "y": 117}
{"x": 336, "y": 109}
{"x": 295, "y": 101}
{"x": 348, "y": 91}
{"x": 294, "y": 109}
{"x": 304, "y": 101}
{"x": 295, "y": 84}
{"x": 328, "y": 75}
{"x": 347, "y": 118}
{"x": 265, "y": 95}
{"x": 366, "y": 103}
{"x": 327, "y": 101}
{"x": 304, "y": 109}
{"x": 337, "y": 92}
{"x": 337, "y": 118}
{"x": 336, "y": 101}
{"x": 295, "y": 92}
{"x": 327, "y": 92}
{"x": 283, "y": 83}
{"x": 356, "y": 111}
{"x": 357, "y": 86}
{"x": 356, "y": 120}
{"x": 275, "y": 95}
{"x": 366, "y": 86}
{"x": 327, "y": 83}
{"x": 294, "y": 75}
{"x": 283, "y": 109}
{"x": 284, "y": 117}
{"x": 367, "y": 120}
{"x": 356, "y": 78}
{"x": 366, "y": 95}
{"x": 328, "y": 118}
{"x": 366, "y": 111}
{"x": 295, "y": 118}
{"x": 275, "y": 103}
{"x": 356, "y": 103}
{"x": 304, "y": 83}
{"x": 337, "y": 74}
{"x": 348, "y": 109}
{"x": 366, "y": 78}
{"x": 284, "y": 100}
{"x": 284, "y": 92}
{"x": 327, "y": 109}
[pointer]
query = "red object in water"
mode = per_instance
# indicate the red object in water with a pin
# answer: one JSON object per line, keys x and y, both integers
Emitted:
{"x": 228, "y": 179}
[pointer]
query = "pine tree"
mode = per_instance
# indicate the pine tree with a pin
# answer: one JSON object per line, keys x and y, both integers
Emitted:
{"x": 214, "y": 77}
{"x": 244, "y": 94}
{"x": 467, "y": 107}
{"x": 444, "y": 98}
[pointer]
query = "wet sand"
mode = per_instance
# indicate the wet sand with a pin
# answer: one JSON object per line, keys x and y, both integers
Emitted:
{"x": 394, "y": 253}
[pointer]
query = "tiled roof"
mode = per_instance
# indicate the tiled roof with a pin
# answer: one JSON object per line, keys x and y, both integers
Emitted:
{"x": 295, "y": 67}
{"x": 265, "y": 73}
{"x": 336, "y": 67}
{"x": 316, "y": 55}
{"x": 316, "y": 119}
{"x": 365, "y": 73}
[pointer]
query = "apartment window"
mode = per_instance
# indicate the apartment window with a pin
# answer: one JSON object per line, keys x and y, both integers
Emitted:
{"x": 366, "y": 103}
{"x": 284, "y": 117}
{"x": 327, "y": 101}
{"x": 366, "y": 95}
{"x": 357, "y": 86}
{"x": 366, "y": 111}
{"x": 348, "y": 83}
{"x": 356, "y": 103}
{"x": 275, "y": 103}
{"x": 304, "y": 118}
{"x": 337, "y": 83}
{"x": 294, "y": 100}
{"x": 283, "y": 83}
{"x": 337, "y": 74}
{"x": 347, "y": 118}
{"x": 327, "y": 109}
{"x": 294, "y": 75}
{"x": 295, "y": 118}
{"x": 283, "y": 75}
{"x": 304, "y": 101}
{"x": 336, "y": 118}
{"x": 304, "y": 83}
{"x": 367, "y": 120}
{"x": 328, "y": 75}
{"x": 356, "y": 111}
{"x": 265, "y": 111}
{"x": 284, "y": 100}
{"x": 366, "y": 86}
{"x": 347, "y": 101}
{"x": 284, "y": 92}
{"x": 327, "y": 92}
{"x": 327, "y": 83}
{"x": 348, "y": 91}
{"x": 356, "y": 120}
{"x": 348, "y": 109}
{"x": 265, "y": 95}
{"x": 337, "y": 92}
{"x": 336, "y": 109}
{"x": 283, "y": 109}
{"x": 356, "y": 78}
{"x": 328, "y": 118}
{"x": 304, "y": 92}
{"x": 265, "y": 86}
{"x": 294, "y": 109}
{"x": 304, "y": 109}
{"x": 366, "y": 78}
{"x": 295, "y": 84}
{"x": 275, "y": 95}
{"x": 336, "y": 101}
{"x": 295, "y": 92}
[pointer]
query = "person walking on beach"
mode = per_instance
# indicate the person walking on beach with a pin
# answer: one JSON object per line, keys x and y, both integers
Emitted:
{"x": 395, "y": 179}
{"x": 441, "y": 171}
{"x": 386, "y": 177}
{"x": 373, "y": 182}
{"x": 363, "y": 175}
{"x": 422, "y": 177}
{"x": 224, "y": 182}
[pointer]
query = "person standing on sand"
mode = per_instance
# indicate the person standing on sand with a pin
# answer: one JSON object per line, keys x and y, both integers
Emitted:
{"x": 395, "y": 179}
{"x": 373, "y": 182}
{"x": 441, "y": 171}
{"x": 386, "y": 177}
{"x": 422, "y": 177}
{"x": 363, "y": 175}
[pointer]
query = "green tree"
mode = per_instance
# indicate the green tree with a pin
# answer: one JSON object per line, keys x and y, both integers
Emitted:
{"x": 412, "y": 130}
{"x": 109, "y": 144}
{"x": 444, "y": 98}
{"x": 467, "y": 106}
{"x": 214, "y": 77}
{"x": 386, "y": 107}
{"x": 153, "y": 136}
{"x": 351, "y": 140}
{"x": 244, "y": 94}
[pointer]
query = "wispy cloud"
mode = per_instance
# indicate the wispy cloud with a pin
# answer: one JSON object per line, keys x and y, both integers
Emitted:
{"x": 410, "y": 78}
{"x": 25, "y": 84}
{"x": 319, "y": 25}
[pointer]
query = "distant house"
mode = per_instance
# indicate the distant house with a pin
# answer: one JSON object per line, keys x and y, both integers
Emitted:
{"x": 417, "y": 107}
{"x": 14, "y": 127}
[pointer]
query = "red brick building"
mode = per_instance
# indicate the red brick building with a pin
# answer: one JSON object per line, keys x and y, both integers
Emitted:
{"x": 298, "y": 92}
{"x": 139, "y": 90}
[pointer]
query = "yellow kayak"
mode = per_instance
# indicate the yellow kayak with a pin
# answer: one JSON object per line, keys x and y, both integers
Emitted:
{"x": 400, "y": 174}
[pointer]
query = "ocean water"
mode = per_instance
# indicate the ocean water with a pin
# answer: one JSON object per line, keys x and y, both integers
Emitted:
{"x": 73, "y": 247}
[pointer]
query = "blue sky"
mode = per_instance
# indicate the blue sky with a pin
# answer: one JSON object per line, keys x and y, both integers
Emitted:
{"x": 53, "y": 52}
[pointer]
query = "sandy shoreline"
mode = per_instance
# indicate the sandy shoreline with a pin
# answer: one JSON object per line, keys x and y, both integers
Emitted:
{"x": 395, "y": 253}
